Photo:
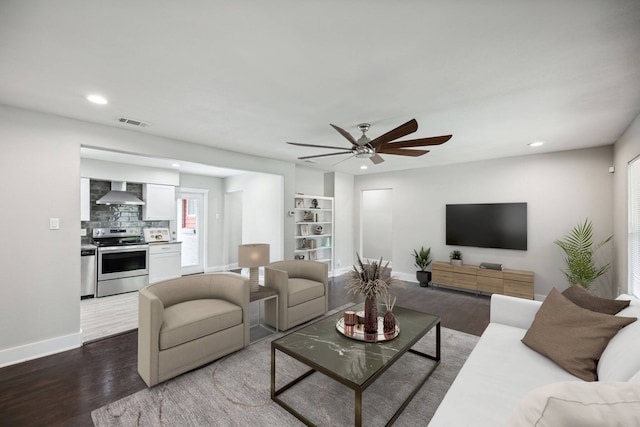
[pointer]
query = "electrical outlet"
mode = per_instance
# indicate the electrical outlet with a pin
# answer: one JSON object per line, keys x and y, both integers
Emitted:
{"x": 83, "y": 232}
{"x": 54, "y": 223}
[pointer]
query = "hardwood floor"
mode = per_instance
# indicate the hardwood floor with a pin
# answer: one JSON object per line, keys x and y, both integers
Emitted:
{"x": 63, "y": 389}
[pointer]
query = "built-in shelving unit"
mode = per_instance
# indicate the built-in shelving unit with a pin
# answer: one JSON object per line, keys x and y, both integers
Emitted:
{"x": 314, "y": 228}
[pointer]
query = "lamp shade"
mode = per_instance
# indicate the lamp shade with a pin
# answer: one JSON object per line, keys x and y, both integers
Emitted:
{"x": 253, "y": 255}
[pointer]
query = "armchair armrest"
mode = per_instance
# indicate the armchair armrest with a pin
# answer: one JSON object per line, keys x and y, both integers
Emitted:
{"x": 513, "y": 311}
{"x": 277, "y": 279}
{"x": 150, "y": 318}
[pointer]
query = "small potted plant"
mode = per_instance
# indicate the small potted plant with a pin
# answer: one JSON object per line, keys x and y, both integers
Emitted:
{"x": 456, "y": 257}
{"x": 422, "y": 260}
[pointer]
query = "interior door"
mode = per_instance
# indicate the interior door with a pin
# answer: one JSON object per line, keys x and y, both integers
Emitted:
{"x": 376, "y": 215}
{"x": 191, "y": 229}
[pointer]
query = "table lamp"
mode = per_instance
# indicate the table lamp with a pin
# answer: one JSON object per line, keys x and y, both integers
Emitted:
{"x": 253, "y": 256}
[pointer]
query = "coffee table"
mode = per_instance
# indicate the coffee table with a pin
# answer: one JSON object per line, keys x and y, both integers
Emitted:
{"x": 321, "y": 347}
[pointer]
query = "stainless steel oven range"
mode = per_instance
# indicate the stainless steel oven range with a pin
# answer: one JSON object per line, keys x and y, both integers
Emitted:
{"x": 123, "y": 260}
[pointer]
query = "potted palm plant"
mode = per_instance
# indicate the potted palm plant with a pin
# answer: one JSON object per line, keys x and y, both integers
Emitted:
{"x": 456, "y": 257}
{"x": 579, "y": 248}
{"x": 422, "y": 260}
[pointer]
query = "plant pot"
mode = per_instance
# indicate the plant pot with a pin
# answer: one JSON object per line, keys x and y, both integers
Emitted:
{"x": 424, "y": 277}
{"x": 457, "y": 262}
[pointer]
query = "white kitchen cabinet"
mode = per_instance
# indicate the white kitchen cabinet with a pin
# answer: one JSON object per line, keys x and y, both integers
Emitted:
{"x": 160, "y": 202}
{"x": 85, "y": 200}
{"x": 164, "y": 261}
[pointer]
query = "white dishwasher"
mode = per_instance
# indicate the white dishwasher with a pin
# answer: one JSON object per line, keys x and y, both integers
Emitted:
{"x": 165, "y": 261}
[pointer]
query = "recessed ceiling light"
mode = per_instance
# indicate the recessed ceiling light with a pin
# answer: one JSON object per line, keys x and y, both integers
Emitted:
{"x": 536, "y": 144}
{"x": 97, "y": 99}
{"x": 364, "y": 167}
{"x": 175, "y": 165}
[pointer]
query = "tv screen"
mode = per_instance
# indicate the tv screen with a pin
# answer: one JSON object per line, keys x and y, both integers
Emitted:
{"x": 487, "y": 225}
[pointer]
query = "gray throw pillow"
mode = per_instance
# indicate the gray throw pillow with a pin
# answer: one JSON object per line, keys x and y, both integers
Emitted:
{"x": 583, "y": 298}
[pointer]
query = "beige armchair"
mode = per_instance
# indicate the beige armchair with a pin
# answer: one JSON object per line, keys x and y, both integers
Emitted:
{"x": 302, "y": 292}
{"x": 190, "y": 321}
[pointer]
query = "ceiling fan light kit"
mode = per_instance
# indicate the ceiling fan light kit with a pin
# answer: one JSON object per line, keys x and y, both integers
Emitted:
{"x": 366, "y": 148}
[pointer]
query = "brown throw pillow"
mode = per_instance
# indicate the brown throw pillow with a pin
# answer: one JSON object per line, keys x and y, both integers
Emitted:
{"x": 583, "y": 298}
{"x": 571, "y": 336}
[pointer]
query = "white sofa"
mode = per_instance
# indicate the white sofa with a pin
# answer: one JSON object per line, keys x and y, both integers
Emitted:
{"x": 501, "y": 371}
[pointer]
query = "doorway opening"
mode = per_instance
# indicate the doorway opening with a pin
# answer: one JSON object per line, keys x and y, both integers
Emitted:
{"x": 376, "y": 219}
{"x": 191, "y": 220}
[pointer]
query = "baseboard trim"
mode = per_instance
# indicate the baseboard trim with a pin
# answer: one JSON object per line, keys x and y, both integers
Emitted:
{"x": 405, "y": 277}
{"x": 23, "y": 353}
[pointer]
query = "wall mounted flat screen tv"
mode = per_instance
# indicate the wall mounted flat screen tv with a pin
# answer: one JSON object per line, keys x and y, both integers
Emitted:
{"x": 487, "y": 225}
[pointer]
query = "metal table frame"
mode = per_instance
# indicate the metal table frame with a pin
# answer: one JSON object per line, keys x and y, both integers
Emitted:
{"x": 263, "y": 294}
{"x": 358, "y": 390}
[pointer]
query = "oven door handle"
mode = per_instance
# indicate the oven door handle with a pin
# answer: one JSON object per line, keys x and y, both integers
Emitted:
{"x": 110, "y": 249}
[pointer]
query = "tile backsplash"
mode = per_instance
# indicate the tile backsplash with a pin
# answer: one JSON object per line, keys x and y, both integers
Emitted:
{"x": 114, "y": 215}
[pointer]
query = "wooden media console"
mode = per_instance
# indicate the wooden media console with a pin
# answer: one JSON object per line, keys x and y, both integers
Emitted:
{"x": 517, "y": 283}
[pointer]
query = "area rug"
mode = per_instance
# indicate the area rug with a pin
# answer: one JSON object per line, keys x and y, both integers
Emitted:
{"x": 235, "y": 391}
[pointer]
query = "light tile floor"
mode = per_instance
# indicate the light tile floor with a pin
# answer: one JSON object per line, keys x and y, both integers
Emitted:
{"x": 107, "y": 316}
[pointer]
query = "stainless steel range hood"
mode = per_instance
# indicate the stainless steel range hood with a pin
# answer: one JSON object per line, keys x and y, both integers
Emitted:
{"x": 119, "y": 196}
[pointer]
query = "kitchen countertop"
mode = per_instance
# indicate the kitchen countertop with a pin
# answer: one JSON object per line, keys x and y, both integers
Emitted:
{"x": 173, "y": 242}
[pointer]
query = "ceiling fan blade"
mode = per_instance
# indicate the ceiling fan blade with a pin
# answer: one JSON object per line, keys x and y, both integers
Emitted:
{"x": 402, "y": 151}
{"x": 376, "y": 159}
{"x": 346, "y": 134}
{"x": 420, "y": 142}
{"x": 316, "y": 146}
{"x": 402, "y": 130}
{"x": 325, "y": 155}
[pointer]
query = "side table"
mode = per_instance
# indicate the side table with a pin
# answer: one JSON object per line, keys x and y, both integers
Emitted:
{"x": 260, "y": 330}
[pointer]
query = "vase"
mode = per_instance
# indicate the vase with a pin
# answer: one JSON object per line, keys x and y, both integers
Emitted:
{"x": 389, "y": 322}
{"x": 370, "y": 315}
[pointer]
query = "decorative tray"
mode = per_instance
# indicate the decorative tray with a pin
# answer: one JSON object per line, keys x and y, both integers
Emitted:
{"x": 356, "y": 332}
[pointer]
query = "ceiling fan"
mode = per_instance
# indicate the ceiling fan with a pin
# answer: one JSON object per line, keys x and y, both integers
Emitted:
{"x": 365, "y": 147}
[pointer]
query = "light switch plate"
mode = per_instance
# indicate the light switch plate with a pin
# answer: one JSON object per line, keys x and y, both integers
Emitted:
{"x": 54, "y": 223}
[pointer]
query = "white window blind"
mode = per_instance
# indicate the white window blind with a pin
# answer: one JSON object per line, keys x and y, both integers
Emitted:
{"x": 634, "y": 227}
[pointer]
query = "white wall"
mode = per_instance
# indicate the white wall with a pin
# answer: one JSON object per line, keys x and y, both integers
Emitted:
{"x": 309, "y": 181}
{"x": 40, "y": 269}
{"x": 340, "y": 186}
{"x": 110, "y": 171}
{"x": 560, "y": 189}
{"x": 262, "y": 210}
{"x": 626, "y": 149}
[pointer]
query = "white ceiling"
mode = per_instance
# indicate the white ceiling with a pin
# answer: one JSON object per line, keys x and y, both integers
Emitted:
{"x": 249, "y": 75}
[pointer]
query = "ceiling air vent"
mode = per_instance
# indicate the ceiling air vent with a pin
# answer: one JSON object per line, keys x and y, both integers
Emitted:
{"x": 133, "y": 122}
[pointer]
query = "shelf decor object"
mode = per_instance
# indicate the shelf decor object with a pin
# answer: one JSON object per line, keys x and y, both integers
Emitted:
{"x": 356, "y": 332}
{"x": 253, "y": 256}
